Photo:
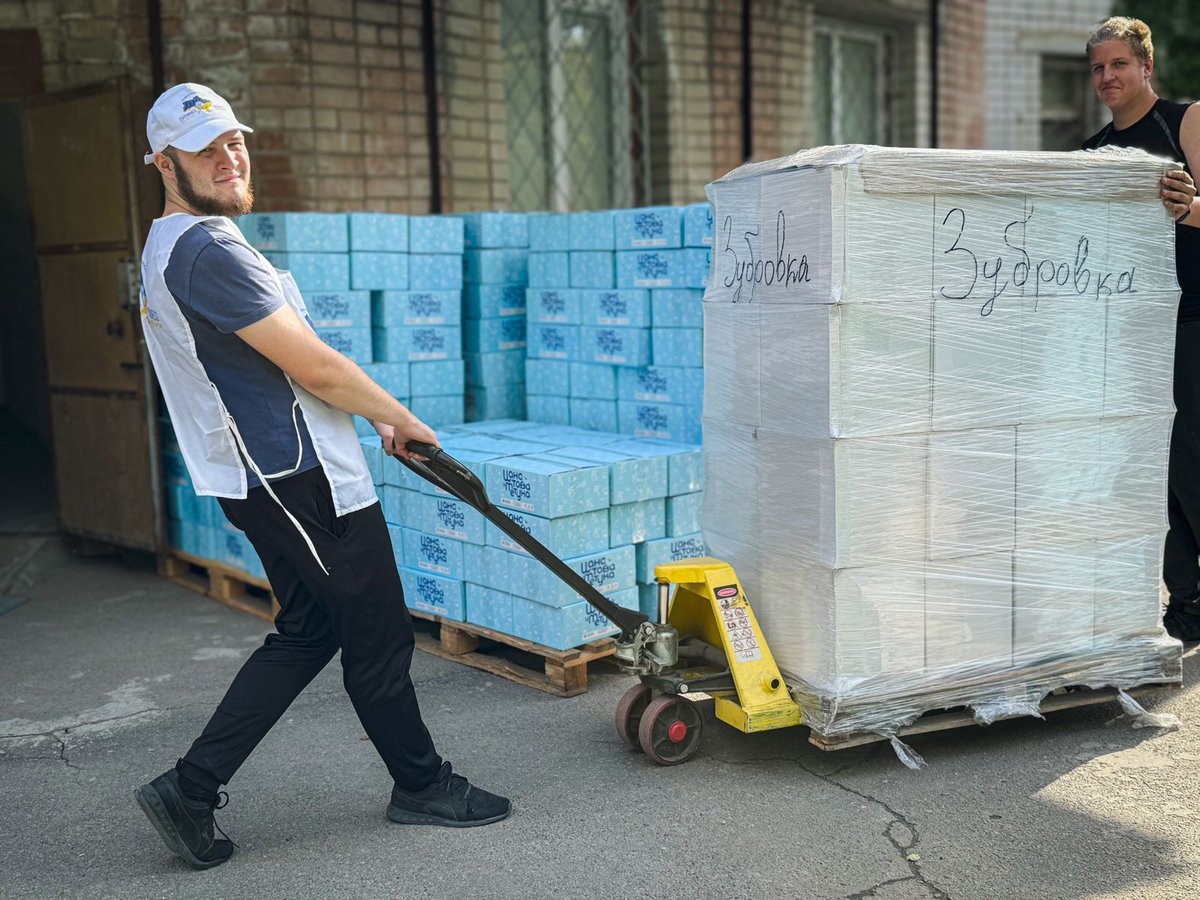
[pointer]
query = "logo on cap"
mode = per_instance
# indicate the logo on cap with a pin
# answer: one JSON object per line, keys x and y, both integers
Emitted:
{"x": 197, "y": 102}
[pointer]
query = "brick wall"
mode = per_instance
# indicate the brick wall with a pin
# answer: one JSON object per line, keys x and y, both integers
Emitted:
{"x": 962, "y": 83}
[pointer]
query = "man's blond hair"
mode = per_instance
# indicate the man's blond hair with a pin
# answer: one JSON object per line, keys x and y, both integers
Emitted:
{"x": 1134, "y": 32}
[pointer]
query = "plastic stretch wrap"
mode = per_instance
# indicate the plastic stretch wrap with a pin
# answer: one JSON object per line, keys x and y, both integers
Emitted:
{"x": 937, "y": 414}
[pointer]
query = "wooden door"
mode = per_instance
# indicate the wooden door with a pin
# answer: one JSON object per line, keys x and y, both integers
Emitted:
{"x": 88, "y": 196}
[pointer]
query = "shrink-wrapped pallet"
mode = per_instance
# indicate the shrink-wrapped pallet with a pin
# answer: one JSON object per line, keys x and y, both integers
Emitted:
{"x": 937, "y": 412}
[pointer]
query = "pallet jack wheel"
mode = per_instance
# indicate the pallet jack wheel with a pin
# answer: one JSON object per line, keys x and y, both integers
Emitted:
{"x": 670, "y": 730}
{"x": 630, "y": 709}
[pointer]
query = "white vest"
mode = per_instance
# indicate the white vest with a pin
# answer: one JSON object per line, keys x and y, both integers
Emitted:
{"x": 207, "y": 434}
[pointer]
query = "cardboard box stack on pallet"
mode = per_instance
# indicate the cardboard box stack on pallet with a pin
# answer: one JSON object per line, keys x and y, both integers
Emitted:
{"x": 496, "y": 271}
{"x": 936, "y": 424}
{"x": 615, "y": 319}
{"x": 612, "y": 507}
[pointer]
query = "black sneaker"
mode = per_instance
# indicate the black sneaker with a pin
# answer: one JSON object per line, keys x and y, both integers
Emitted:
{"x": 1182, "y": 621}
{"x": 185, "y": 826}
{"x": 451, "y": 800}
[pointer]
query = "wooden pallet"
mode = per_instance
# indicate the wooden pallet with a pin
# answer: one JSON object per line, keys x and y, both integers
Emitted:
{"x": 222, "y": 583}
{"x": 961, "y": 718}
{"x": 559, "y": 672}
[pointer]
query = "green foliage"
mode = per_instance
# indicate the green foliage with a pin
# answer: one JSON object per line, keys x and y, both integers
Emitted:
{"x": 1175, "y": 29}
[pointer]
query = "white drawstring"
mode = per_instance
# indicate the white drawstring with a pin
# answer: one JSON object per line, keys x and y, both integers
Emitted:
{"x": 246, "y": 453}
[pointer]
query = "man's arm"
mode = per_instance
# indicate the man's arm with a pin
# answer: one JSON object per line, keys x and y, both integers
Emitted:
{"x": 1179, "y": 193}
{"x": 289, "y": 343}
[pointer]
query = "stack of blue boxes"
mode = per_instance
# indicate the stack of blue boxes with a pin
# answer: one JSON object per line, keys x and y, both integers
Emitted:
{"x": 611, "y": 506}
{"x": 495, "y": 271}
{"x": 385, "y": 290}
{"x": 615, "y": 319}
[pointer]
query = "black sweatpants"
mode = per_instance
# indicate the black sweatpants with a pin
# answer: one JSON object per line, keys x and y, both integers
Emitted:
{"x": 358, "y": 607}
{"x": 1181, "y": 551}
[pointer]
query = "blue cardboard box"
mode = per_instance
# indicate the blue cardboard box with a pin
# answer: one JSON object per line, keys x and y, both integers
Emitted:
{"x": 373, "y": 455}
{"x": 698, "y": 225}
{"x": 551, "y": 377}
{"x": 615, "y": 346}
{"x": 609, "y": 571}
{"x": 437, "y": 412}
{"x": 436, "y": 378}
{"x": 392, "y": 377}
{"x": 677, "y": 346}
{"x": 381, "y": 232}
{"x": 593, "y": 381}
{"x": 565, "y": 537}
{"x": 501, "y": 367}
{"x": 553, "y": 410}
{"x": 595, "y": 415}
{"x": 488, "y": 566}
{"x": 495, "y": 229}
{"x": 487, "y": 301}
{"x": 313, "y": 272}
{"x": 494, "y": 335}
{"x": 651, "y": 226}
{"x": 363, "y": 428}
{"x": 669, "y": 549}
{"x": 591, "y": 230}
{"x": 497, "y": 401}
{"x": 546, "y": 488}
{"x": 435, "y": 234}
{"x": 660, "y": 420}
{"x": 648, "y": 601}
{"x": 630, "y": 477}
{"x": 489, "y": 608}
{"x": 339, "y": 309}
{"x": 685, "y": 466}
{"x": 433, "y": 553}
{"x": 635, "y": 523}
{"x": 413, "y": 343}
{"x": 549, "y": 232}
{"x": 435, "y": 272}
{"x": 662, "y": 384}
{"x": 304, "y": 232}
{"x": 684, "y": 514}
{"x": 398, "y": 309}
{"x": 549, "y": 269}
{"x": 592, "y": 269}
{"x": 620, "y": 308}
{"x": 552, "y": 341}
{"x": 450, "y": 518}
{"x": 433, "y": 594}
{"x": 400, "y": 505}
{"x": 352, "y": 342}
{"x": 696, "y": 264}
{"x": 561, "y": 629}
{"x": 377, "y": 271}
{"x": 499, "y": 266}
{"x": 677, "y": 308}
{"x": 553, "y": 305}
{"x": 502, "y": 444}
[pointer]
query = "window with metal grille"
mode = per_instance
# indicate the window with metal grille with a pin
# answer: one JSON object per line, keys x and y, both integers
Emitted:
{"x": 848, "y": 98}
{"x": 1066, "y": 103}
{"x": 575, "y": 104}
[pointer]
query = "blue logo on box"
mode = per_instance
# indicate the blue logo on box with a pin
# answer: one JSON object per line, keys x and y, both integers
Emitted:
{"x": 431, "y": 591}
{"x": 594, "y": 617}
{"x": 553, "y": 340}
{"x": 652, "y": 266}
{"x": 517, "y": 486}
{"x": 266, "y": 229}
{"x": 686, "y": 549}
{"x": 428, "y": 341}
{"x": 512, "y": 329}
{"x": 450, "y": 515}
{"x": 651, "y": 381}
{"x": 648, "y": 225}
{"x": 609, "y": 343}
{"x": 424, "y": 305}
{"x": 553, "y": 302}
{"x": 339, "y": 342}
{"x": 613, "y": 306}
{"x": 652, "y": 418}
{"x": 598, "y": 571}
{"x": 433, "y": 550}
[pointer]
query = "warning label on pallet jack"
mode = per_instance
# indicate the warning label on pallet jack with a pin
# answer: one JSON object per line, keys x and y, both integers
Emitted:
{"x": 741, "y": 634}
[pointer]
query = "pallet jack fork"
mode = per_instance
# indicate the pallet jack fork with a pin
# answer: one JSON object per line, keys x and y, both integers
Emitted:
{"x": 706, "y": 640}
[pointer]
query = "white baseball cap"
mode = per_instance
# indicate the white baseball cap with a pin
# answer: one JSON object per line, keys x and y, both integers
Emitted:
{"x": 188, "y": 117}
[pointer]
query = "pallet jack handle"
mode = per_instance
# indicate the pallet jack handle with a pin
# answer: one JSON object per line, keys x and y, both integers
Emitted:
{"x": 441, "y": 469}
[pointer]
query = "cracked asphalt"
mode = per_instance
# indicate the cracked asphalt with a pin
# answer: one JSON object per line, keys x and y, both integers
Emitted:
{"x": 107, "y": 672}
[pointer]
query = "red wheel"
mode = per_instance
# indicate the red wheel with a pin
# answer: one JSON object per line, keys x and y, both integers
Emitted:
{"x": 670, "y": 730}
{"x": 630, "y": 708}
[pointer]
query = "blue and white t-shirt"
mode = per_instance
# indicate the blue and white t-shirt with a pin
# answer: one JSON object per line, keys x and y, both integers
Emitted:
{"x": 222, "y": 286}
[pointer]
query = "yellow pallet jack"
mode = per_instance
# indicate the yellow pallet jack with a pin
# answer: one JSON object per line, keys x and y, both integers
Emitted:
{"x": 706, "y": 640}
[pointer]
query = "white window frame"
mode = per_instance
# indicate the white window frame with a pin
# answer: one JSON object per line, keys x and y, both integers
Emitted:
{"x": 837, "y": 31}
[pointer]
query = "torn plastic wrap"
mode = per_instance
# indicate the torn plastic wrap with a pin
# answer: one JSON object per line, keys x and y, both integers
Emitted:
{"x": 937, "y": 414}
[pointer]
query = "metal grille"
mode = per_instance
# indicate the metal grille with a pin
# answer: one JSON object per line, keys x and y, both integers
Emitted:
{"x": 577, "y": 116}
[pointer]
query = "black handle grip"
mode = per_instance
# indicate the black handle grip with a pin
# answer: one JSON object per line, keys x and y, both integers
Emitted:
{"x": 446, "y": 472}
